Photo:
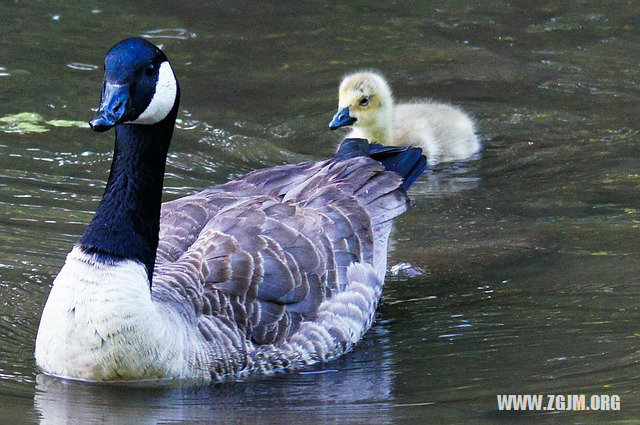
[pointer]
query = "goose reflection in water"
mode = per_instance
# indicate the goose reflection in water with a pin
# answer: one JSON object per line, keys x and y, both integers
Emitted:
{"x": 355, "y": 388}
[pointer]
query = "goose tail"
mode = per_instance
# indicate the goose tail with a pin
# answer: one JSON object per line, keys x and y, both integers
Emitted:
{"x": 408, "y": 162}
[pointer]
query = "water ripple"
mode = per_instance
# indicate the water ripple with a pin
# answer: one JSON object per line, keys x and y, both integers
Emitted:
{"x": 175, "y": 33}
{"x": 82, "y": 66}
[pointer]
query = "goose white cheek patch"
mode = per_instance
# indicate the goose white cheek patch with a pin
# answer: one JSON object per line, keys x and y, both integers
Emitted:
{"x": 163, "y": 99}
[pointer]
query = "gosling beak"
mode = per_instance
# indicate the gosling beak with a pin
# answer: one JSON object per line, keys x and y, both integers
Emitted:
{"x": 341, "y": 119}
{"x": 115, "y": 107}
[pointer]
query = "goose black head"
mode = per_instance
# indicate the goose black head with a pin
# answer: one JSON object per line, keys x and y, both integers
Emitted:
{"x": 139, "y": 86}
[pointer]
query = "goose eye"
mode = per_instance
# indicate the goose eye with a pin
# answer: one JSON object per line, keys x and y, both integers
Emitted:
{"x": 150, "y": 69}
{"x": 364, "y": 101}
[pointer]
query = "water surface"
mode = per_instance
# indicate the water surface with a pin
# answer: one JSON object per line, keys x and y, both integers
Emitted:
{"x": 530, "y": 252}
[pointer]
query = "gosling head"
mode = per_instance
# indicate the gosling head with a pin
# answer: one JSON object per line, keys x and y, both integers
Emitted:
{"x": 365, "y": 102}
{"x": 139, "y": 86}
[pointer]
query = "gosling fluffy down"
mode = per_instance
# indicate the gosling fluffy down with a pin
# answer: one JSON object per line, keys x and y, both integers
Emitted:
{"x": 444, "y": 132}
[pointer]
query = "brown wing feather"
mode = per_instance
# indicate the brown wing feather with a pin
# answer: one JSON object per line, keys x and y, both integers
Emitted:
{"x": 258, "y": 256}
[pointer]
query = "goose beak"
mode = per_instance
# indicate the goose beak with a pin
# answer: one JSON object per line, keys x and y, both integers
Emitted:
{"x": 341, "y": 119}
{"x": 114, "y": 106}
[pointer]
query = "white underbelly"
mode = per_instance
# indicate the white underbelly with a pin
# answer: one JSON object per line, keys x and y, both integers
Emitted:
{"x": 100, "y": 323}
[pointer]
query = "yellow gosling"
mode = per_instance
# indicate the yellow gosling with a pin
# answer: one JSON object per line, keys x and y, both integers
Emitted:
{"x": 444, "y": 132}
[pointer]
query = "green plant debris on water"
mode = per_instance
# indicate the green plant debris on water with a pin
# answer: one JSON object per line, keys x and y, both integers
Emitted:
{"x": 31, "y": 122}
{"x": 68, "y": 123}
{"x": 620, "y": 178}
{"x": 607, "y": 254}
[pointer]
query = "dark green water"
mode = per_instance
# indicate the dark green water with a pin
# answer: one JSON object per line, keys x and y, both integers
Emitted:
{"x": 531, "y": 252}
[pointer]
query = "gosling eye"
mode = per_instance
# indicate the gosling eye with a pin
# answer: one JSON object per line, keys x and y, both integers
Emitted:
{"x": 364, "y": 101}
{"x": 150, "y": 69}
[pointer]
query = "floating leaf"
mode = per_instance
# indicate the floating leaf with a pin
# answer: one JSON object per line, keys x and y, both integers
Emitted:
{"x": 23, "y": 127}
{"x": 68, "y": 123}
{"x": 30, "y": 122}
{"x": 607, "y": 254}
{"x": 24, "y": 122}
{"x": 22, "y": 117}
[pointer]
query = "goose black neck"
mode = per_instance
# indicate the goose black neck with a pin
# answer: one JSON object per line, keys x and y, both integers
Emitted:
{"x": 127, "y": 222}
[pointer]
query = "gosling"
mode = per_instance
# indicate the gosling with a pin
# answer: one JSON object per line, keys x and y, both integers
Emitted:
{"x": 444, "y": 132}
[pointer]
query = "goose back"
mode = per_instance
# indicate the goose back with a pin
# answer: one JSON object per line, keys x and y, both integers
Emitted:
{"x": 255, "y": 262}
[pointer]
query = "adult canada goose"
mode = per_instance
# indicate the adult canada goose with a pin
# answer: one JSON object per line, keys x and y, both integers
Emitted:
{"x": 279, "y": 269}
{"x": 444, "y": 132}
